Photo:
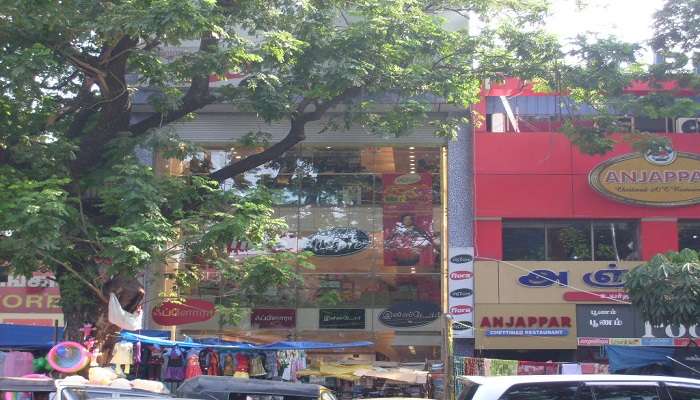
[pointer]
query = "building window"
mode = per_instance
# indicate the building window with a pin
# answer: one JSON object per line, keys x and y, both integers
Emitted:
{"x": 578, "y": 240}
{"x": 689, "y": 235}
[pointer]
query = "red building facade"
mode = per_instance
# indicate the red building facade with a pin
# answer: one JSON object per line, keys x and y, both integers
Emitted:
{"x": 549, "y": 244}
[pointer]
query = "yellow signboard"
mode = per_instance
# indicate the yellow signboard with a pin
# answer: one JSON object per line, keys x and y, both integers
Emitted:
{"x": 520, "y": 326}
{"x": 665, "y": 178}
{"x": 575, "y": 282}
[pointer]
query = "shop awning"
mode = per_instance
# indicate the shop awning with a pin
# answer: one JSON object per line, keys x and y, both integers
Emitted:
{"x": 344, "y": 372}
{"x": 626, "y": 357}
{"x": 221, "y": 344}
{"x": 400, "y": 375}
{"x": 25, "y": 337}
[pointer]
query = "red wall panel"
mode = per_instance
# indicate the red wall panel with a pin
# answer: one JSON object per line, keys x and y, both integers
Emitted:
{"x": 508, "y": 153}
{"x": 489, "y": 240}
{"x": 543, "y": 176}
{"x": 523, "y": 196}
{"x": 658, "y": 237}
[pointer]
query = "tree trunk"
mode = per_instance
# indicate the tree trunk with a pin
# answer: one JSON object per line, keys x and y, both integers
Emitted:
{"x": 130, "y": 294}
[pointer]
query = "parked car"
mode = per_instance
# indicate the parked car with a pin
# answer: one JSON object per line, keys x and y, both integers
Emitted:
{"x": 45, "y": 389}
{"x": 228, "y": 388}
{"x": 579, "y": 387}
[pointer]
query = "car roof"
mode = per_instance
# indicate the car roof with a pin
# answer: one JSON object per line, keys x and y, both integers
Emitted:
{"x": 27, "y": 384}
{"x": 200, "y": 385}
{"x": 514, "y": 380}
{"x": 111, "y": 389}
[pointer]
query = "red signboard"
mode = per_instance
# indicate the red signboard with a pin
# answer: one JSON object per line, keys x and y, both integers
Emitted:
{"x": 188, "y": 312}
{"x": 273, "y": 318}
{"x": 596, "y": 296}
{"x": 29, "y": 300}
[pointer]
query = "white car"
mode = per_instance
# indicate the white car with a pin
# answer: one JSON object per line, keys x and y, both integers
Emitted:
{"x": 579, "y": 387}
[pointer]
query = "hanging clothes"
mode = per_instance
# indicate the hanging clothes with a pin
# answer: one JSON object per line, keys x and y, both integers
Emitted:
{"x": 504, "y": 367}
{"x": 228, "y": 365}
{"x": 571, "y": 369}
{"x": 256, "y": 366}
{"x": 193, "y": 368}
{"x": 204, "y": 360}
{"x": 537, "y": 368}
{"x": 214, "y": 367}
{"x": 155, "y": 363}
{"x": 18, "y": 364}
{"x": 175, "y": 371}
{"x": 271, "y": 364}
{"x": 242, "y": 363}
{"x": 123, "y": 356}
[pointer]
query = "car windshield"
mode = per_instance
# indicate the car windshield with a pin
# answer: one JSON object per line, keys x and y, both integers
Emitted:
{"x": 89, "y": 394}
{"x": 469, "y": 388}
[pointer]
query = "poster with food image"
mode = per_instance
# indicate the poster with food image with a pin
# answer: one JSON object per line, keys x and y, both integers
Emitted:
{"x": 408, "y": 220}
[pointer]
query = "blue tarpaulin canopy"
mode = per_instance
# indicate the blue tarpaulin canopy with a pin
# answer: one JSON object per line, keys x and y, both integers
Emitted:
{"x": 27, "y": 337}
{"x": 222, "y": 344}
{"x": 626, "y": 357}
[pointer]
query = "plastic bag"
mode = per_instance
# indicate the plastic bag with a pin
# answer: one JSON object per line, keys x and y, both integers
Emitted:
{"x": 121, "y": 318}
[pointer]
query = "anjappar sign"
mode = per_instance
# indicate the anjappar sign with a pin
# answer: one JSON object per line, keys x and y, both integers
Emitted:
{"x": 665, "y": 178}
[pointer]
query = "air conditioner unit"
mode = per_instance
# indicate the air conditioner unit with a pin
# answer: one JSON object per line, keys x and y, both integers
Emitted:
{"x": 498, "y": 122}
{"x": 688, "y": 125}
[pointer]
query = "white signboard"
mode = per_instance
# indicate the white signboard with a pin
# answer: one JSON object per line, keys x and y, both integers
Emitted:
{"x": 461, "y": 291}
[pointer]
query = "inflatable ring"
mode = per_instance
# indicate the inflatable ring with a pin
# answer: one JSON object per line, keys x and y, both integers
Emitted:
{"x": 68, "y": 357}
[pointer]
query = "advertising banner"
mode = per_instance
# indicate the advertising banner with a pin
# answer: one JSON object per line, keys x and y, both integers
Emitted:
{"x": 621, "y": 324}
{"x": 273, "y": 318}
{"x": 518, "y": 326}
{"x": 341, "y": 318}
{"x": 584, "y": 282}
{"x": 408, "y": 219}
{"x": 409, "y": 314}
{"x": 606, "y": 321}
{"x": 461, "y": 291}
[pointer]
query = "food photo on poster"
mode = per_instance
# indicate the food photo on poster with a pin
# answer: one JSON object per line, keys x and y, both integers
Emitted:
{"x": 408, "y": 219}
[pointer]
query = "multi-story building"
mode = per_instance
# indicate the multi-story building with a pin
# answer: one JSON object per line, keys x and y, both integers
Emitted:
{"x": 556, "y": 229}
{"x": 368, "y": 208}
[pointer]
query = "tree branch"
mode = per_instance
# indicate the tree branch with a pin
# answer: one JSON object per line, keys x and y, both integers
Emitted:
{"x": 72, "y": 270}
{"x": 296, "y": 135}
{"x": 197, "y": 96}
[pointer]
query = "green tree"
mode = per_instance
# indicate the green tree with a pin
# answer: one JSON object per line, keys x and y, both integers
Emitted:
{"x": 666, "y": 289}
{"x": 73, "y": 197}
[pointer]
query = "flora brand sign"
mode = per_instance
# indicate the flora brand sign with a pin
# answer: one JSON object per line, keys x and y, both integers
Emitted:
{"x": 664, "y": 178}
{"x": 188, "y": 312}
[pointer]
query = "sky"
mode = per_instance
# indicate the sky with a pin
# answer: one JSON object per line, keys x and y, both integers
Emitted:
{"x": 629, "y": 20}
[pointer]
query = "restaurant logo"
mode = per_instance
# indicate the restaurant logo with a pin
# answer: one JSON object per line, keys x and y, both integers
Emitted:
{"x": 461, "y": 309}
{"x": 188, "y": 312}
{"x": 458, "y": 293}
{"x": 337, "y": 242}
{"x": 460, "y": 275}
{"x": 462, "y": 258}
{"x": 410, "y": 314}
{"x": 659, "y": 178}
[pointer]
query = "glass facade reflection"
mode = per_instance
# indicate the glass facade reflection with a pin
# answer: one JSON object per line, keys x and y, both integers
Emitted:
{"x": 372, "y": 217}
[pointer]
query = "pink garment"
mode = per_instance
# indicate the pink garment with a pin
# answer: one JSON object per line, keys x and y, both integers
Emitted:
{"x": 18, "y": 364}
{"x": 192, "y": 369}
